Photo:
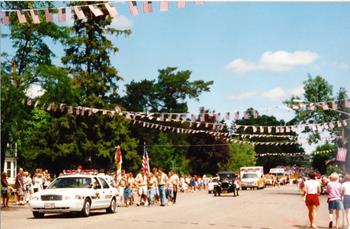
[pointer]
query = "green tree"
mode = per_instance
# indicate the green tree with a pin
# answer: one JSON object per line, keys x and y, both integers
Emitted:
{"x": 240, "y": 155}
{"x": 318, "y": 160}
{"x": 30, "y": 50}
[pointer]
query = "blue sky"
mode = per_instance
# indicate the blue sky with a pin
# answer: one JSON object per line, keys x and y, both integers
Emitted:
{"x": 257, "y": 53}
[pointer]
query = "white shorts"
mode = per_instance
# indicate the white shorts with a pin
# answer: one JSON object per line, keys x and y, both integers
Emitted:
{"x": 142, "y": 190}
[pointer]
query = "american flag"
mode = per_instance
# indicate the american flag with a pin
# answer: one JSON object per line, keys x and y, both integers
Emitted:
{"x": 133, "y": 8}
{"x": 5, "y": 18}
{"x": 341, "y": 154}
{"x": 145, "y": 160}
{"x": 163, "y": 6}
{"x": 147, "y": 7}
{"x": 48, "y": 15}
{"x": 62, "y": 14}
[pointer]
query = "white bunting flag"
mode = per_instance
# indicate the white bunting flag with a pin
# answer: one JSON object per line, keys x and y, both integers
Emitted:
{"x": 21, "y": 17}
{"x": 334, "y": 105}
{"x": 48, "y": 15}
{"x": 312, "y": 107}
{"x": 79, "y": 13}
{"x": 181, "y": 4}
{"x": 347, "y": 103}
{"x": 254, "y": 129}
{"x": 95, "y": 10}
{"x": 261, "y": 129}
{"x": 236, "y": 115}
{"x": 35, "y": 16}
{"x": 325, "y": 106}
{"x": 111, "y": 10}
{"x": 163, "y": 6}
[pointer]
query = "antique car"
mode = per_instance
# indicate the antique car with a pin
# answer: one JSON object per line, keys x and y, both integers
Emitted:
{"x": 75, "y": 193}
{"x": 226, "y": 183}
{"x": 212, "y": 183}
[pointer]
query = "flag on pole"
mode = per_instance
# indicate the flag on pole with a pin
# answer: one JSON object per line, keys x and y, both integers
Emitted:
{"x": 147, "y": 7}
{"x": 95, "y": 10}
{"x": 21, "y": 17}
{"x": 62, "y": 14}
{"x": 48, "y": 15}
{"x": 341, "y": 154}
{"x": 163, "y": 6}
{"x": 118, "y": 160}
{"x": 181, "y": 4}
{"x": 145, "y": 160}
{"x": 79, "y": 13}
{"x": 111, "y": 10}
{"x": 133, "y": 8}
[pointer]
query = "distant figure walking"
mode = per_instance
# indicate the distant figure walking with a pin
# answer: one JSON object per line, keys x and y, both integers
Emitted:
{"x": 312, "y": 190}
{"x": 346, "y": 198}
{"x": 334, "y": 199}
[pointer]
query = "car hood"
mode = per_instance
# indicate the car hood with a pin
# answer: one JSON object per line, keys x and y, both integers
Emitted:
{"x": 249, "y": 179}
{"x": 64, "y": 191}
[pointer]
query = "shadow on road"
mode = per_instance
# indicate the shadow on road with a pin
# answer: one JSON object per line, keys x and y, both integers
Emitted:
{"x": 303, "y": 226}
{"x": 68, "y": 215}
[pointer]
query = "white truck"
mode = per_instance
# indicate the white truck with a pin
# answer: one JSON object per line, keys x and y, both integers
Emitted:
{"x": 252, "y": 177}
{"x": 280, "y": 175}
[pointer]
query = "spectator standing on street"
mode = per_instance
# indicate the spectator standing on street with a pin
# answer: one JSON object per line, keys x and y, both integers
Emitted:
{"x": 141, "y": 181}
{"x": 19, "y": 186}
{"x": 27, "y": 187}
{"x": 37, "y": 181}
{"x": 312, "y": 190}
{"x": 346, "y": 198}
{"x": 4, "y": 190}
{"x": 121, "y": 188}
{"x": 175, "y": 180}
{"x": 162, "y": 181}
{"x": 334, "y": 199}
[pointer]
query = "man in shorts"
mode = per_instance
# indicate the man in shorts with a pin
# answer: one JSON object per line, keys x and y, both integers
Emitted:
{"x": 141, "y": 180}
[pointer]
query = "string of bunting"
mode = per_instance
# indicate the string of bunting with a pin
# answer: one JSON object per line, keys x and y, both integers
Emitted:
{"x": 294, "y": 154}
{"x": 326, "y": 105}
{"x": 293, "y": 128}
{"x": 96, "y": 10}
{"x": 323, "y": 151}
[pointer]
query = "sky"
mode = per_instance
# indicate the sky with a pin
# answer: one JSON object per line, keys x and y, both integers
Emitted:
{"x": 257, "y": 54}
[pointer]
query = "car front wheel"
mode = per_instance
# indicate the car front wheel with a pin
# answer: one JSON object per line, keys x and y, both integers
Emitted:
{"x": 86, "y": 208}
{"x": 113, "y": 207}
{"x": 38, "y": 214}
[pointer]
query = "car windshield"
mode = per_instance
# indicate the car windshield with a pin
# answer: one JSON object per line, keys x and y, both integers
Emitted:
{"x": 229, "y": 176}
{"x": 71, "y": 182}
{"x": 250, "y": 175}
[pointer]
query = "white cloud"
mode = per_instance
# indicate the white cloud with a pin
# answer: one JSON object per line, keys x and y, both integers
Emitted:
{"x": 244, "y": 95}
{"x": 274, "y": 61}
{"x": 342, "y": 65}
{"x": 280, "y": 93}
{"x": 34, "y": 91}
{"x": 275, "y": 93}
{"x": 121, "y": 22}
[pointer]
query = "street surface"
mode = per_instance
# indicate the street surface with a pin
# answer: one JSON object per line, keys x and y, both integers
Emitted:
{"x": 281, "y": 207}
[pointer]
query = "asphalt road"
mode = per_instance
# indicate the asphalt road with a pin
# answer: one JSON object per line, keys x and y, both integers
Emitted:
{"x": 269, "y": 208}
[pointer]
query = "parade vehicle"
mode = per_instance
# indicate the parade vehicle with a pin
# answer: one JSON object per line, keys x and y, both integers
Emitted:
{"x": 270, "y": 179}
{"x": 75, "y": 193}
{"x": 225, "y": 183}
{"x": 280, "y": 175}
{"x": 212, "y": 183}
{"x": 252, "y": 177}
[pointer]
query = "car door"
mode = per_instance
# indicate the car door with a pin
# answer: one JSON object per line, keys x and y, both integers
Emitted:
{"x": 106, "y": 192}
{"x": 97, "y": 196}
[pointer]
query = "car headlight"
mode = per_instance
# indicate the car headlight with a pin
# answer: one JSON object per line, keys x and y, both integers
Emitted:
{"x": 35, "y": 198}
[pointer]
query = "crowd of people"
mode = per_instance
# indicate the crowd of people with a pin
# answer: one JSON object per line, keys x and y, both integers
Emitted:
{"x": 338, "y": 192}
{"x": 24, "y": 185}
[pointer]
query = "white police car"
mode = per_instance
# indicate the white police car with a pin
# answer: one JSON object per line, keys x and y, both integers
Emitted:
{"x": 75, "y": 193}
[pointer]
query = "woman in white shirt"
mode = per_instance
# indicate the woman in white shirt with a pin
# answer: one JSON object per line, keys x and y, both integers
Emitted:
{"x": 312, "y": 190}
{"x": 346, "y": 198}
